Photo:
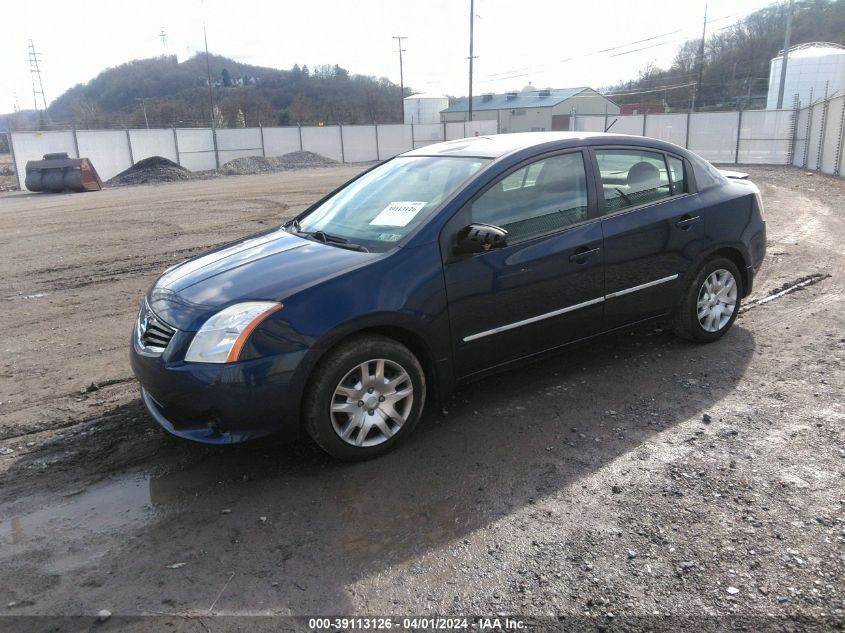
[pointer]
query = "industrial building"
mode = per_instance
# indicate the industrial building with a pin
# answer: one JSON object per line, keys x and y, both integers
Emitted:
{"x": 532, "y": 110}
{"x": 816, "y": 69}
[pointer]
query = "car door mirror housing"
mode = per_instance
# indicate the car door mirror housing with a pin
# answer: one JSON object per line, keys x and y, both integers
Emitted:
{"x": 477, "y": 238}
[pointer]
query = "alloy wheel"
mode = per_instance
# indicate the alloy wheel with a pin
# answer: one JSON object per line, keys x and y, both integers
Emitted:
{"x": 717, "y": 300}
{"x": 372, "y": 402}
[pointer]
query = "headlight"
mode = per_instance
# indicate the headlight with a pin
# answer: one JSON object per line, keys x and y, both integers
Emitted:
{"x": 222, "y": 337}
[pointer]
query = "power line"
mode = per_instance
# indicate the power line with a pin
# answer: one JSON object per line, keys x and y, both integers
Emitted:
{"x": 525, "y": 71}
{"x": 627, "y": 93}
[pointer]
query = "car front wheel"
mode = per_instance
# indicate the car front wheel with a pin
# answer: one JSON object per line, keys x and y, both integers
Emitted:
{"x": 711, "y": 302}
{"x": 366, "y": 396}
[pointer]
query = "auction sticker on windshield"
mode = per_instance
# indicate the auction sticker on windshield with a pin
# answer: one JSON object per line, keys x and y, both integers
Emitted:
{"x": 398, "y": 213}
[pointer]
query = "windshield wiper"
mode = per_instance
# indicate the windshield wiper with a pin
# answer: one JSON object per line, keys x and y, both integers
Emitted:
{"x": 350, "y": 246}
{"x": 325, "y": 238}
{"x": 328, "y": 239}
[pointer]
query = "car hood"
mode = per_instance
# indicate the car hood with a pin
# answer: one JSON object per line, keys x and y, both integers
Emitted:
{"x": 269, "y": 266}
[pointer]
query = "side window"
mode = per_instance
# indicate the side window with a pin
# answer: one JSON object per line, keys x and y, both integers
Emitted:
{"x": 632, "y": 177}
{"x": 677, "y": 174}
{"x": 539, "y": 198}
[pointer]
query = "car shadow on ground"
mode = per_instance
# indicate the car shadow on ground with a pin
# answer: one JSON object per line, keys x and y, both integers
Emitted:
{"x": 298, "y": 529}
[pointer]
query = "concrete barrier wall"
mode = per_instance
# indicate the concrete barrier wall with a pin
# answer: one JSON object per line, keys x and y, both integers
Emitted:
{"x": 811, "y": 136}
{"x": 146, "y": 143}
{"x": 751, "y": 136}
{"x": 200, "y": 149}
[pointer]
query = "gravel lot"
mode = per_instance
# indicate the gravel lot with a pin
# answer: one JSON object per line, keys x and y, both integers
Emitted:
{"x": 633, "y": 482}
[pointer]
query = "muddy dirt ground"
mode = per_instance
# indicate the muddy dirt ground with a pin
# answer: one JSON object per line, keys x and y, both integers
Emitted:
{"x": 638, "y": 476}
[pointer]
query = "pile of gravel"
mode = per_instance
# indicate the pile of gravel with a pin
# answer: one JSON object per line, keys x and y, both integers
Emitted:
{"x": 260, "y": 164}
{"x": 159, "y": 169}
{"x": 150, "y": 170}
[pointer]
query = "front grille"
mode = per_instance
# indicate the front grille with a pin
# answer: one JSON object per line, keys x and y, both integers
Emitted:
{"x": 154, "y": 334}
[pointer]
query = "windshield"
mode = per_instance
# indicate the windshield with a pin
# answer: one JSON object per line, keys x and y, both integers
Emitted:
{"x": 386, "y": 204}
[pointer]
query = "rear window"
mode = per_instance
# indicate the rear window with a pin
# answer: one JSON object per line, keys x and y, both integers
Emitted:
{"x": 632, "y": 177}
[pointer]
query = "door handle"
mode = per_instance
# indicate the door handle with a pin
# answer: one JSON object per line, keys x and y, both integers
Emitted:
{"x": 583, "y": 253}
{"x": 687, "y": 221}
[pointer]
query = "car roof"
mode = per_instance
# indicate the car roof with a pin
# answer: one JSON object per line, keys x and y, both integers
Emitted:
{"x": 498, "y": 145}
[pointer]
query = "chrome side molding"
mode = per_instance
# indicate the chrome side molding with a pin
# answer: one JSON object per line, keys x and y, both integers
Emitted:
{"x": 572, "y": 308}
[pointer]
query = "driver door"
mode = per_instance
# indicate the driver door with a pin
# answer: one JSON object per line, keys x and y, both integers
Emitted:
{"x": 545, "y": 287}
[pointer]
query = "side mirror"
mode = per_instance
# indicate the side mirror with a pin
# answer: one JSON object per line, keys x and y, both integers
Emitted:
{"x": 477, "y": 238}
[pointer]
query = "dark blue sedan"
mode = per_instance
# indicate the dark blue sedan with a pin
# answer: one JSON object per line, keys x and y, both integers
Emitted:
{"x": 440, "y": 266}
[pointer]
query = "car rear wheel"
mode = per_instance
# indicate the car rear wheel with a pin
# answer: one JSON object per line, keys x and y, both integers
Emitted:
{"x": 365, "y": 397}
{"x": 711, "y": 302}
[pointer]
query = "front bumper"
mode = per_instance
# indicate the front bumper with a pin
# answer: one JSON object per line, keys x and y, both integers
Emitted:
{"x": 220, "y": 403}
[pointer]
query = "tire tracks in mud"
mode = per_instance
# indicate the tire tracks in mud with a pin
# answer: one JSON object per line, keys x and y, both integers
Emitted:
{"x": 784, "y": 289}
{"x": 49, "y": 400}
{"x": 105, "y": 271}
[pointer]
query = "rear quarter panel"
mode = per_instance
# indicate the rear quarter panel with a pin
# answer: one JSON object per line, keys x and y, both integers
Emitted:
{"x": 731, "y": 220}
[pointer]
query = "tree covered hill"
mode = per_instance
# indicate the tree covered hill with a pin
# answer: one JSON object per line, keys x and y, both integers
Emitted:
{"x": 736, "y": 59}
{"x": 175, "y": 93}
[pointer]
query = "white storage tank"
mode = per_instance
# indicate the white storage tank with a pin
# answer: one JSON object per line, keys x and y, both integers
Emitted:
{"x": 809, "y": 66}
{"x": 424, "y": 108}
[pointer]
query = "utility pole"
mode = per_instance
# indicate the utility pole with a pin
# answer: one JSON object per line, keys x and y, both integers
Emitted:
{"x": 208, "y": 73}
{"x": 35, "y": 72}
{"x": 786, "y": 42}
{"x": 700, "y": 60}
{"x": 399, "y": 39}
{"x": 162, "y": 36}
{"x": 471, "y": 56}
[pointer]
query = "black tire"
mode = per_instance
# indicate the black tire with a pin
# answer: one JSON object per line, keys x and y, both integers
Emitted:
{"x": 686, "y": 322}
{"x": 319, "y": 421}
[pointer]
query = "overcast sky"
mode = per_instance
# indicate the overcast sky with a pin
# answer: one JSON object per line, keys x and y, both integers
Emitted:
{"x": 551, "y": 43}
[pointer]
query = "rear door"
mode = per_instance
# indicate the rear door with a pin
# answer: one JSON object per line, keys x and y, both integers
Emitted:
{"x": 545, "y": 287}
{"x": 652, "y": 231}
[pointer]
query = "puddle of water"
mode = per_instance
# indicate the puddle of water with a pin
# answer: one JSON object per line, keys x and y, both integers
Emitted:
{"x": 80, "y": 527}
{"x": 97, "y": 509}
